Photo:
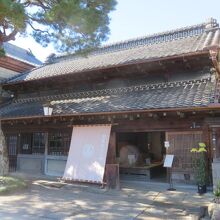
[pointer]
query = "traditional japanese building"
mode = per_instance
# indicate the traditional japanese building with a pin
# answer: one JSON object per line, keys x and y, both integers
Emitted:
{"x": 16, "y": 60}
{"x": 162, "y": 87}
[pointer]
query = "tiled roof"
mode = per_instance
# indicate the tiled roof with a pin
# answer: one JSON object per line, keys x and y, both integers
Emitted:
{"x": 173, "y": 43}
{"x": 179, "y": 93}
{"x": 21, "y": 54}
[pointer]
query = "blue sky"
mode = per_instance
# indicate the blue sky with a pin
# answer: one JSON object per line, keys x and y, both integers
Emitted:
{"x": 133, "y": 18}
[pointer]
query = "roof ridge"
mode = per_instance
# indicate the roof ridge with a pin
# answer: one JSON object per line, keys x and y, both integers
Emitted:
{"x": 161, "y": 37}
{"x": 154, "y": 35}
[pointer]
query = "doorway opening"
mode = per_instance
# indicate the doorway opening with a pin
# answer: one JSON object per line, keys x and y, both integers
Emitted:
{"x": 140, "y": 156}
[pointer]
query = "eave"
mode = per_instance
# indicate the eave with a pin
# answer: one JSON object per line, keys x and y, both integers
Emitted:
{"x": 210, "y": 107}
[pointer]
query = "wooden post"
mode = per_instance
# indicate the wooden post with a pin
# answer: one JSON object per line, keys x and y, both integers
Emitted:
{"x": 112, "y": 169}
{"x": 45, "y": 153}
{"x": 111, "y": 155}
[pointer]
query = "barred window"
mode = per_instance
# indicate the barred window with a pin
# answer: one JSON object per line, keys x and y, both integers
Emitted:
{"x": 39, "y": 141}
{"x": 58, "y": 143}
{"x": 26, "y": 143}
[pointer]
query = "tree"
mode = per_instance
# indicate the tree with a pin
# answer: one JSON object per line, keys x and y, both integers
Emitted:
{"x": 71, "y": 25}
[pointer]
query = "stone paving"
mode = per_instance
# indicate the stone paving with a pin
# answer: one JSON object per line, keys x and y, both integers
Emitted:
{"x": 48, "y": 200}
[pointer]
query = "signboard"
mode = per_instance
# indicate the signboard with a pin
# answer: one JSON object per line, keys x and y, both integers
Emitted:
{"x": 168, "y": 160}
{"x": 87, "y": 154}
{"x": 166, "y": 144}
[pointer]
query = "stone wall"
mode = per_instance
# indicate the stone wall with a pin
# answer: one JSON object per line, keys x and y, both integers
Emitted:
{"x": 3, "y": 155}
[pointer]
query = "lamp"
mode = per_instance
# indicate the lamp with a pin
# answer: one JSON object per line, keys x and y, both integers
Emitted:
{"x": 48, "y": 110}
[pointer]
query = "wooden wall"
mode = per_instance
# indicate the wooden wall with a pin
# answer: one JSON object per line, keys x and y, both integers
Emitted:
{"x": 184, "y": 133}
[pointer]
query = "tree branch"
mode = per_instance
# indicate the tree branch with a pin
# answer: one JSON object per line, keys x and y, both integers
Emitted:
{"x": 42, "y": 4}
{"x": 36, "y": 29}
{"x": 38, "y": 4}
{"x": 11, "y": 36}
{"x": 37, "y": 20}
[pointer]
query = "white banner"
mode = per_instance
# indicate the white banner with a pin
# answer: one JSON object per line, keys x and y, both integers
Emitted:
{"x": 87, "y": 155}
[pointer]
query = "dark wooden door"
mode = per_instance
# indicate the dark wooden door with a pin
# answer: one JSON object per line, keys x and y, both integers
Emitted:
{"x": 12, "y": 152}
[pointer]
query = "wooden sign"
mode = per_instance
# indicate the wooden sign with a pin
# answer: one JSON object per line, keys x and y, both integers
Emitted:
{"x": 168, "y": 160}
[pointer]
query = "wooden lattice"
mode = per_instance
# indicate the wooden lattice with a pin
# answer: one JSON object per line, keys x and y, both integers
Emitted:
{"x": 180, "y": 145}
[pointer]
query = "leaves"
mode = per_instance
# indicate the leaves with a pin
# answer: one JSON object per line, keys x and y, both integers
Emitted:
{"x": 199, "y": 163}
{"x": 71, "y": 25}
{"x": 193, "y": 150}
{"x": 12, "y": 15}
{"x": 2, "y": 52}
{"x": 217, "y": 190}
{"x": 202, "y": 145}
{"x": 201, "y": 149}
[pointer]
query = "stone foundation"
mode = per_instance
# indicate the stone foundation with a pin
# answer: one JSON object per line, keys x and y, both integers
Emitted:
{"x": 3, "y": 155}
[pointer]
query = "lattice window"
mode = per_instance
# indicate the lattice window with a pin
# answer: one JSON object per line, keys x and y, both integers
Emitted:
{"x": 59, "y": 143}
{"x": 180, "y": 145}
{"x": 39, "y": 141}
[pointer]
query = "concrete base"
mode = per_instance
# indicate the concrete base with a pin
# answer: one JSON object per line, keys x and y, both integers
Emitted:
{"x": 30, "y": 163}
{"x": 41, "y": 164}
{"x": 55, "y": 165}
{"x": 183, "y": 178}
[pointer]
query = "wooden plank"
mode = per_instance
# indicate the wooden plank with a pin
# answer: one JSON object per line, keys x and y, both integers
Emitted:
{"x": 112, "y": 176}
{"x": 111, "y": 155}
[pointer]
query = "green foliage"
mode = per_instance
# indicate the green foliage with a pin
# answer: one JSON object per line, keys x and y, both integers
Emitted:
{"x": 199, "y": 163}
{"x": 9, "y": 184}
{"x": 2, "y": 52}
{"x": 71, "y": 25}
{"x": 217, "y": 191}
{"x": 12, "y": 15}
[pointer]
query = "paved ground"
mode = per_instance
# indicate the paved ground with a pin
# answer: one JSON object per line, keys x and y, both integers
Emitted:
{"x": 48, "y": 200}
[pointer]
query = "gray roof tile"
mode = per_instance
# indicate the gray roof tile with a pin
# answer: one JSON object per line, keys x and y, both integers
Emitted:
{"x": 177, "y": 42}
{"x": 21, "y": 54}
{"x": 180, "y": 93}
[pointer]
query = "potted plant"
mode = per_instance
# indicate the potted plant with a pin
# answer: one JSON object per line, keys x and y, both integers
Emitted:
{"x": 217, "y": 193}
{"x": 199, "y": 164}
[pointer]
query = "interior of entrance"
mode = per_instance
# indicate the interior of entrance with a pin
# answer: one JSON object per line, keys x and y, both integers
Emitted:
{"x": 140, "y": 155}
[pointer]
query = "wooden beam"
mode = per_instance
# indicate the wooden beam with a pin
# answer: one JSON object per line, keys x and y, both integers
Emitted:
{"x": 213, "y": 107}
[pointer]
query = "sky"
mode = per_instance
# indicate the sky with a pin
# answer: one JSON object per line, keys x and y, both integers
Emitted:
{"x": 135, "y": 18}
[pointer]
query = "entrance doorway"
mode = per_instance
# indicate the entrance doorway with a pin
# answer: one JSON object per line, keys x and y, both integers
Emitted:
{"x": 140, "y": 156}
